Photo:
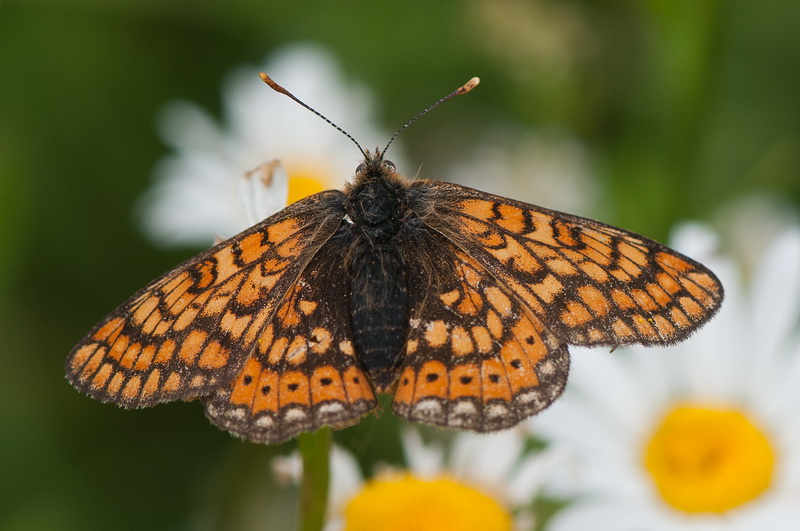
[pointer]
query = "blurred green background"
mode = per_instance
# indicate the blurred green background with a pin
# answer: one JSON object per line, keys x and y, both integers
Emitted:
{"x": 683, "y": 106}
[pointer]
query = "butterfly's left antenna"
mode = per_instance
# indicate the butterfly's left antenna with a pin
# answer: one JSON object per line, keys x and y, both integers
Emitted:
{"x": 277, "y": 88}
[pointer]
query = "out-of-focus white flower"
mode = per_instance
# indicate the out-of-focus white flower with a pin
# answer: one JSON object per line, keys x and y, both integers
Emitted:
{"x": 196, "y": 194}
{"x": 551, "y": 170}
{"x": 751, "y": 222}
{"x": 482, "y": 481}
{"x": 704, "y": 435}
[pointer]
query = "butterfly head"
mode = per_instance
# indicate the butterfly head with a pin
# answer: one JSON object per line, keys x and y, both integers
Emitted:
{"x": 374, "y": 165}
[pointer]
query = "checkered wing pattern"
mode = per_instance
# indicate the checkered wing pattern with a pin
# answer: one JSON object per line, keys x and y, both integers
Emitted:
{"x": 303, "y": 373}
{"x": 587, "y": 282}
{"x": 476, "y": 358}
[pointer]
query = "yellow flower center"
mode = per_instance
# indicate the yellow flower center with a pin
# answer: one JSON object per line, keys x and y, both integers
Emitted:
{"x": 709, "y": 460}
{"x": 405, "y": 503}
{"x": 304, "y": 183}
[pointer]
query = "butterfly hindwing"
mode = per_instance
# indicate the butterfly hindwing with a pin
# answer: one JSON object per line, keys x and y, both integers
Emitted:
{"x": 475, "y": 357}
{"x": 589, "y": 283}
{"x": 303, "y": 373}
{"x": 190, "y": 331}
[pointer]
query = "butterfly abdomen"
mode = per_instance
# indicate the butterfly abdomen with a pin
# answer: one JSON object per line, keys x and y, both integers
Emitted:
{"x": 379, "y": 309}
{"x": 379, "y": 301}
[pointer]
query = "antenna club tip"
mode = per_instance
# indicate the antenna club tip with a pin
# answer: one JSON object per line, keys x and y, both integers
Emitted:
{"x": 469, "y": 85}
{"x": 274, "y": 86}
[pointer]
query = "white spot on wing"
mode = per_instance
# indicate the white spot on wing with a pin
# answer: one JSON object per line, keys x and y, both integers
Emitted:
{"x": 496, "y": 410}
{"x": 295, "y": 414}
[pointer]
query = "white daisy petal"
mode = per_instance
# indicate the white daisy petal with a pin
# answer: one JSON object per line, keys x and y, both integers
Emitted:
{"x": 603, "y": 516}
{"x": 780, "y": 401}
{"x": 346, "y": 477}
{"x": 486, "y": 457}
{"x": 423, "y": 460}
{"x": 263, "y": 190}
{"x": 776, "y": 301}
{"x": 288, "y": 468}
{"x": 188, "y": 128}
{"x": 531, "y": 474}
{"x": 695, "y": 240}
{"x": 599, "y": 379}
{"x": 191, "y": 204}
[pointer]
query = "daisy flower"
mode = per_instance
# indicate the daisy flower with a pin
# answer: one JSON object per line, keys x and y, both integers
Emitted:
{"x": 480, "y": 482}
{"x": 702, "y": 436}
{"x": 198, "y": 189}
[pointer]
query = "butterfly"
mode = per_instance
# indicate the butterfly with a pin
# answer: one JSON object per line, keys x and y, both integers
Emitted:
{"x": 458, "y": 302}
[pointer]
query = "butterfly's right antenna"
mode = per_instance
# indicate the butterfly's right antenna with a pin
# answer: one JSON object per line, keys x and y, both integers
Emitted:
{"x": 277, "y": 88}
{"x": 463, "y": 89}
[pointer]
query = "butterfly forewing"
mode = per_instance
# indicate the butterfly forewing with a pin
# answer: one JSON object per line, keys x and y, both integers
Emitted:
{"x": 303, "y": 372}
{"x": 190, "y": 331}
{"x": 589, "y": 283}
{"x": 475, "y": 357}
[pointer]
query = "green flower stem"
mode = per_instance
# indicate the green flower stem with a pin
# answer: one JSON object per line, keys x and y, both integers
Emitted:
{"x": 315, "y": 448}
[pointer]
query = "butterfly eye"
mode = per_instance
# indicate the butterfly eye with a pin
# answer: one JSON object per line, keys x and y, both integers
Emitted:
{"x": 361, "y": 168}
{"x": 389, "y": 164}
